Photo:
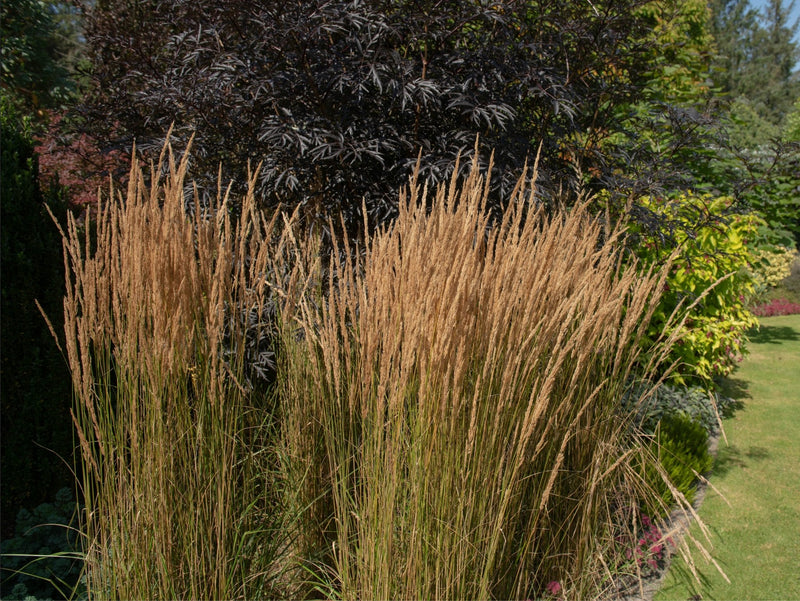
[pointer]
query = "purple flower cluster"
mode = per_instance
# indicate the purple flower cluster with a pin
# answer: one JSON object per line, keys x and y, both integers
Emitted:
{"x": 649, "y": 550}
{"x": 554, "y": 589}
{"x": 777, "y": 307}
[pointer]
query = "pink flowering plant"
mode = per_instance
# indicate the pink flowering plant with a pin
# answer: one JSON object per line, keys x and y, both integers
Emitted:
{"x": 777, "y": 307}
{"x": 644, "y": 551}
{"x": 554, "y": 589}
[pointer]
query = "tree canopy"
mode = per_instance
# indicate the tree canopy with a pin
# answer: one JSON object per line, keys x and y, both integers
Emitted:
{"x": 758, "y": 60}
{"x": 38, "y": 53}
{"x": 338, "y": 98}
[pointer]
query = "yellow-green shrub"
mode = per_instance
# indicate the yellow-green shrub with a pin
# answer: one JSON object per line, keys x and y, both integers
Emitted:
{"x": 709, "y": 279}
{"x": 768, "y": 267}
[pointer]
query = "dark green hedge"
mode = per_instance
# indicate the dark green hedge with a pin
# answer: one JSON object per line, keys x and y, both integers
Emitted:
{"x": 34, "y": 381}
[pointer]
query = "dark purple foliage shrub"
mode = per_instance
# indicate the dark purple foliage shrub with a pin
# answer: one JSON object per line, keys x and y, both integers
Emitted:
{"x": 338, "y": 98}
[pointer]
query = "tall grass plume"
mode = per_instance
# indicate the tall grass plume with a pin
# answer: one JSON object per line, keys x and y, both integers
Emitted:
{"x": 178, "y": 499}
{"x": 446, "y": 420}
{"x": 454, "y": 394}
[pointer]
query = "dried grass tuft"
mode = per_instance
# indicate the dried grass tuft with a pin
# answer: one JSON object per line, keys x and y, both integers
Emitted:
{"x": 176, "y": 473}
{"x": 445, "y": 423}
{"x": 455, "y": 401}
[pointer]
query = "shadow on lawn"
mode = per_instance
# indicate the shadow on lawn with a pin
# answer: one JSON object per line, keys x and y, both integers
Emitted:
{"x": 738, "y": 391}
{"x": 773, "y": 335}
{"x": 690, "y": 580}
{"x": 733, "y": 457}
{"x": 735, "y": 391}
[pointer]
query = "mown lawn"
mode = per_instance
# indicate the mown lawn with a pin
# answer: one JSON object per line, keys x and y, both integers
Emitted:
{"x": 756, "y": 534}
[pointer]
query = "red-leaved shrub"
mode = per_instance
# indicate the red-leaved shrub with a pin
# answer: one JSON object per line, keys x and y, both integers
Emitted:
{"x": 777, "y": 307}
{"x": 76, "y": 162}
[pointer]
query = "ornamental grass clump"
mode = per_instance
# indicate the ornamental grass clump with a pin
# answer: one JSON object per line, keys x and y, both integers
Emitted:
{"x": 446, "y": 420}
{"x": 180, "y": 500}
{"x": 452, "y": 401}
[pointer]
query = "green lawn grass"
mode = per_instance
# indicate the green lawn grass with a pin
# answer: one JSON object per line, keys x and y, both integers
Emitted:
{"x": 756, "y": 534}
